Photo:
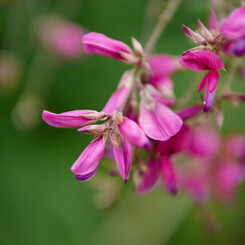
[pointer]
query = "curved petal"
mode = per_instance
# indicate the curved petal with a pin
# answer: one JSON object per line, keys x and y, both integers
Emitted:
{"x": 211, "y": 79}
{"x": 201, "y": 60}
{"x": 97, "y": 43}
{"x": 160, "y": 124}
{"x": 189, "y": 112}
{"x": 209, "y": 99}
{"x": 168, "y": 174}
{"x": 213, "y": 23}
{"x": 132, "y": 132}
{"x": 70, "y": 119}
{"x": 116, "y": 100}
{"x": 123, "y": 159}
{"x": 145, "y": 182}
{"x": 86, "y": 165}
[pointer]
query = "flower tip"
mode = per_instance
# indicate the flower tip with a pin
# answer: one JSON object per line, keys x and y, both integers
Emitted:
{"x": 125, "y": 180}
{"x": 172, "y": 189}
{"x": 147, "y": 145}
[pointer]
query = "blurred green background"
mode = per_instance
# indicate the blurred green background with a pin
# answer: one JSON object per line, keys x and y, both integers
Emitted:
{"x": 41, "y": 201}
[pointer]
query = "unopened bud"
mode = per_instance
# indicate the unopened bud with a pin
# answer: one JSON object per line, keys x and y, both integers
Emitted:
{"x": 137, "y": 47}
{"x": 195, "y": 37}
{"x": 95, "y": 115}
{"x": 204, "y": 31}
{"x": 93, "y": 129}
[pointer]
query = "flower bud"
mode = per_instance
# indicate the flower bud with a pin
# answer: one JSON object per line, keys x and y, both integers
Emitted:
{"x": 137, "y": 47}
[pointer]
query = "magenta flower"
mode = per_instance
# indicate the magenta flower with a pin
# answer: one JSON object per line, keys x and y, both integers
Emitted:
{"x": 161, "y": 167}
{"x": 97, "y": 43}
{"x": 233, "y": 25}
{"x": 162, "y": 66}
{"x": 189, "y": 112}
{"x": 156, "y": 119}
{"x": 62, "y": 38}
{"x": 205, "y": 60}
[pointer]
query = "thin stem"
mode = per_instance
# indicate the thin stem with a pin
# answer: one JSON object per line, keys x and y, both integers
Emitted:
{"x": 164, "y": 19}
{"x": 232, "y": 71}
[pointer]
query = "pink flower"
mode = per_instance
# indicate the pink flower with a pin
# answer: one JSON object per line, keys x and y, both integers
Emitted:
{"x": 156, "y": 119}
{"x": 97, "y": 43}
{"x": 236, "y": 147}
{"x": 233, "y": 25}
{"x": 162, "y": 165}
{"x": 205, "y": 143}
{"x": 205, "y": 60}
{"x": 189, "y": 112}
{"x": 201, "y": 60}
{"x": 162, "y": 66}
{"x": 213, "y": 23}
{"x": 229, "y": 175}
{"x": 62, "y": 38}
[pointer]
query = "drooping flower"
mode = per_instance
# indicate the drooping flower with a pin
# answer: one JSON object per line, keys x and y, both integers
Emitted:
{"x": 205, "y": 60}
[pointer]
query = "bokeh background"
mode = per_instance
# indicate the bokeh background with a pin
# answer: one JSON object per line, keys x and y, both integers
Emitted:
{"x": 41, "y": 201}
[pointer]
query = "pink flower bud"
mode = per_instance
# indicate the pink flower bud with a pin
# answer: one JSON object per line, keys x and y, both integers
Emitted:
{"x": 213, "y": 23}
{"x": 195, "y": 37}
{"x": 93, "y": 129}
{"x": 189, "y": 112}
{"x": 97, "y": 43}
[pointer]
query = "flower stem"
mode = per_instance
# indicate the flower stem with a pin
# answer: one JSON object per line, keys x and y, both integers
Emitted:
{"x": 164, "y": 19}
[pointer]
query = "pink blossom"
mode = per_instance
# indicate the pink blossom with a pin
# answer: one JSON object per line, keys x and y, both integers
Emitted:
{"x": 201, "y": 60}
{"x": 213, "y": 23}
{"x": 233, "y": 25}
{"x": 157, "y": 120}
{"x": 205, "y": 142}
{"x": 61, "y": 38}
{"x": 236, "y": 147}
{"x": 189, "y": 112}
{"x": 97, "y": 43}
{"x": 162, "y": 66}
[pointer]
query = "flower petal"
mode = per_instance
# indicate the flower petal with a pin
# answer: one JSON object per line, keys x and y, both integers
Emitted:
{"x": 160, "y": 124}
{"x": 168, "y": 174}
{"x": 70, "y": 119}
{"x": 123, "y": 159}
{"x": 145, "y": 182}
{"x": 209, "y": 99}
{"x": 116, "y": 100}
{"x": 189, "y": 112}
{"x": 132, "y": 132}
{"x": 233, "y": 25}
{"x": 87, "y": 163}
{"x": 211, "y": 79}
{"x": 97, "y": 43}
{"x": 213, "y": 23}
{"x": 201, "y": 60}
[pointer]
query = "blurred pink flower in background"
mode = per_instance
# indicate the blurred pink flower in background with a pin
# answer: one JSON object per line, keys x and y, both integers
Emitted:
{"x": 60, "y": 37}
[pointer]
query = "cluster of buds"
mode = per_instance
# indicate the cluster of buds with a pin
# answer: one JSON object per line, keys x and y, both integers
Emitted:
{"x": 137, "y": 128}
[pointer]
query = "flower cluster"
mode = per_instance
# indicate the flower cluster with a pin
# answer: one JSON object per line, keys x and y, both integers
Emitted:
{"x": 139, "y": 130}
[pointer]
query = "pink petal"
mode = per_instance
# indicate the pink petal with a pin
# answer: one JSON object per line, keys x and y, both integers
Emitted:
{"x": 123, "y": 159}
{"x": 168, "y": 174}
{"x": 201, "y": 60}
{"x": 233, "y": 26}
{"x": 97, "y": 43}
{"x": 132, "y": 132}
{"x": 163, "y": 64}
{"x": 213, "y": 23}
{"x": 160, "y": 124}
{"x": 86, "y": 165}
{"x": 145, "y": 182}
{"x": 209, "y": 99}
{"x": 205, "y": 142}
{"x": 70, "y": 119}
{"x": 211, "y": 79}
{"x": 189, "y": 112}
{"x": 116, "y": 100}
{"x": 163, "y": 84}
